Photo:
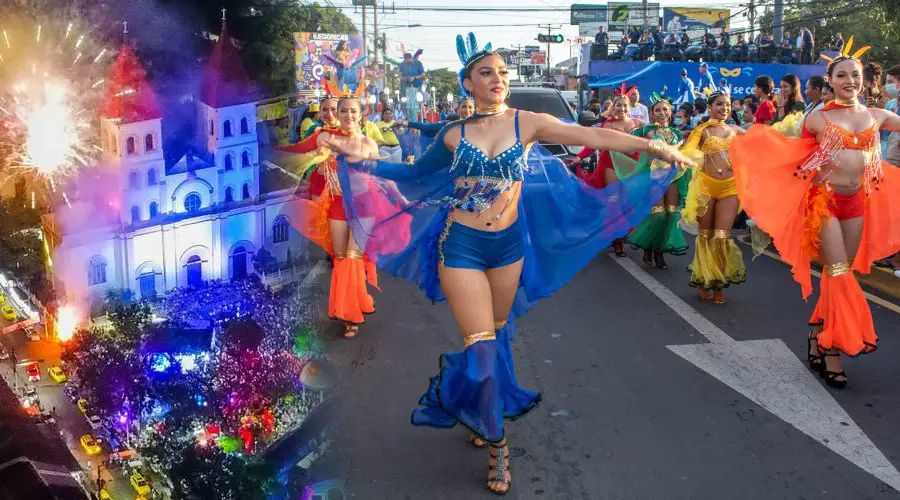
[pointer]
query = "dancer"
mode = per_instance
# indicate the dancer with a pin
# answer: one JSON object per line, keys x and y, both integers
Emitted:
{"x": 327, "y": 117}
{"x": 494, "y": 234}
{"x": 604, "y": 174}
{"x": 712, "y": 203}
{"x": 323, "y": 221}
{"x": 838, "y": 207}
{"x": 660, "y": 233}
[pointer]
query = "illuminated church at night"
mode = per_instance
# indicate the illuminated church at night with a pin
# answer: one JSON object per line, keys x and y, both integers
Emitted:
{"x": 150, "y": 225}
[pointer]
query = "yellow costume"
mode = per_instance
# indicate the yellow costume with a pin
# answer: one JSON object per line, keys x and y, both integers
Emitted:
{"x": 717, "y": 258}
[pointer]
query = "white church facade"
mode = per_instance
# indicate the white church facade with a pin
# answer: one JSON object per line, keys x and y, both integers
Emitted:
{"x": 202, "y": 218}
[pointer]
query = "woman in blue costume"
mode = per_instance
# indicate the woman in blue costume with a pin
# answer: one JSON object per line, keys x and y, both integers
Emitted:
{"x": 493, "y": 233}
{"x": 465, "y": 109}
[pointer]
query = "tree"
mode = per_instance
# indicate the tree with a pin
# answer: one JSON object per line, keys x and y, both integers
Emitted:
{"x": 445, "y": 81}
{"x": 22, "y": 250}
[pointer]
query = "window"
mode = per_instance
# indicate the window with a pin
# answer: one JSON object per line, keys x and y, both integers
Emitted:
{"x": 245, "y": 159}
{"x": 280, "y": 229}
{"x": 148, "y": 143}
{"x": 147, "y": 284}
{"x": 246, "y": 191}
{"x": 212, "y": 128}
{"x": 245, "y": 126}
{"x": 229, "y": 195}
{"x": 96, "y": 271}
{"x": 135, "y": 214}
{"x": 154, "y": 209}
{"x": 192, "y": 202}
{"x": 229, "y": 162}
{"x": 227, "y": 131}
{"x": 151, "y": 177}
{"x": 194, "y": 271}
{"x": 238, "y": 263}
{"x": 133, "y": 182}
{"x": 130, "y": 146}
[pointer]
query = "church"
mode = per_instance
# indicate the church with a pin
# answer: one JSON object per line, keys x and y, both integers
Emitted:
{"x": 142, "y": 223}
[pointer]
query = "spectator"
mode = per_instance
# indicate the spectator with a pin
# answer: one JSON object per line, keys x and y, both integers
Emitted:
{"x": 872, "y": 73}
{"x": 699, "y": 113}
{"x": 787, "y": 48}
{"x": 389, "y": 147}
{"x": 827, "y": 93}
{"x": 658, "y": 38}
{"x": 720, "y": 23}
{"x": 747, "y": 116}
{"x": 638, "y": 111}
{"x": 685, "y": 40}
{"x": 838, "y": 44}
{"x": 892, "y": 141}
{"x": 724, "y": 47}
{"x": 807, "y": 45}
{"x": 789, "y": 99}
{"x": 412, "y": 73}
{"x": 813, "y": 93}
{"x": 682, "y": 119}
{"x": 634, "y": 37}
{"x": 762, "y": 89}
{"x": 673, "y": 52}
{"x": 602, "y": 37}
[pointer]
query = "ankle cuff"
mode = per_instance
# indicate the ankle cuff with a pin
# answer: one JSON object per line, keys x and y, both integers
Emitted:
{"x": 835, "y": 270}
{"x": 479, "y": 337}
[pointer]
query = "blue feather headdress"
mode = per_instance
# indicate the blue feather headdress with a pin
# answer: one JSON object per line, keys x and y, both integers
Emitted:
{"x": 468, "y": 52}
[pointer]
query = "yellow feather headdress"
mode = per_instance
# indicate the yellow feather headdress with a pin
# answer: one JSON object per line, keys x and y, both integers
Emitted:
{"x": 846, "y": 52}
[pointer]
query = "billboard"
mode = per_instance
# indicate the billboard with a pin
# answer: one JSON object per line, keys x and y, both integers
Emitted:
{"x": 621, "y": 15}
{"x": 655, "y": 76}
{"x": 539, "y": 57}
{"x": 326, "y": 55}
{"x": 584, "y": 13}
{"x": 696, "y": 20}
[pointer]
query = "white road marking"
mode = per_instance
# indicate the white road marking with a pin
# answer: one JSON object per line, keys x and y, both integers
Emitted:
{"x": 768, "y": 373}
{"x": 314, "y": 273}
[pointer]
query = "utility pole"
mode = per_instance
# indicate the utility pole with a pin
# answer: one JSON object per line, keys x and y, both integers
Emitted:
{"x": 778, "y": 20}
{"x": 365, "y": 45}
{"x": 646, "y": 16}
{"x": 752, "y": 15}
{"x": 375, "y": 28}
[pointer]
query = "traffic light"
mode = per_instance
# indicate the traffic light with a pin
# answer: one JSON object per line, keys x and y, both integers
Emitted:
{"x": 550, "y": 38}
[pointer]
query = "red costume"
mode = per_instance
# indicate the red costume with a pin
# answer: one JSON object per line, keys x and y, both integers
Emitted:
{"x": 595, "y": 179}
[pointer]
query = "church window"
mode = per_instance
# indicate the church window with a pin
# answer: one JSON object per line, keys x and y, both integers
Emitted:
{"x": 245, "y": 126}
{"x": 227, "y": 131}
{"x": 135, "y": 214}
{"x": 229, "y": 195}
{"x": 130, "y": 146}
{"x": 194, "y": 271}
{"x": 280, "y": 230}
{"x": 151, "y": 177}
{"x": 212, "y": 128}
{"x": 192, "y": 202}
{"x": 229, "y": 162}
{"x": 96, "y": 271}
{"x": 133, "y": 182}
{"x": 246, "y": 191}
{"x": 154, "y": 209}
{"x": 245, "y": 159}
{"x": 148, "y": 143}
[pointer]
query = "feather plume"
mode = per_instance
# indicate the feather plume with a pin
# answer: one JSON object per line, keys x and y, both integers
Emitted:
{"x": 860, "y": 52}
{"x": 848, "y": 46}
{"x": 461, "y": 49}
{"x": 417, "y": 54}
{"x": 473, "y": 45}
{"x": 489, "y": 46}
{"x": 357, "y": 62}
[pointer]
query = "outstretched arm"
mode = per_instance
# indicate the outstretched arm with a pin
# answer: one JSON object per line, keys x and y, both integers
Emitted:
{"x": 543, "y": 127}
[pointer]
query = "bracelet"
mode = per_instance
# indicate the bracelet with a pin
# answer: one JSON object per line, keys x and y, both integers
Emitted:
{"x": 656, "y": 147}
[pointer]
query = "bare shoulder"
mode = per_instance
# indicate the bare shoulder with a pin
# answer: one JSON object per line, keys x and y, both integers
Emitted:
{"x": 737, "y": 130}
{"x": 880, "y": 115}
{"x": 815, "y": 121}
{"x": 452, "y": 134}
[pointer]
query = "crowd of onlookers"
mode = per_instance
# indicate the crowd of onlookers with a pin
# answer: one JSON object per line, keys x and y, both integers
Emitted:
{"x": 794, "y": 47}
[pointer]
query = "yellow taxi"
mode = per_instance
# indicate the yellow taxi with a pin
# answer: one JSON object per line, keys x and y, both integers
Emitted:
{"x": 140, "y": 485}
{"x": 2, "y": 298}
{"x": 89, "y": 444}
{"x": 8, "y": 312}
{"x": 82, "y": 405}
{"x": 104, "y": 495}
{"x": 57, "y": 374}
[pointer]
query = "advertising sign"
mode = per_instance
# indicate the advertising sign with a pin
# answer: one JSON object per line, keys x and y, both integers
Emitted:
{"x": 695, "y": 19}
{"x": 655, "y": 76}
{"x": 327, "y": 55}
{"x": 539, "y": 57}
{"x": 585, "y": 13}
{"x": 621, "y": 15}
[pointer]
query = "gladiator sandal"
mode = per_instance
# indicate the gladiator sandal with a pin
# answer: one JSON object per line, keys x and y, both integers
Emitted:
{"x": 497, "y": 482}
{"x": 838, "y": 380}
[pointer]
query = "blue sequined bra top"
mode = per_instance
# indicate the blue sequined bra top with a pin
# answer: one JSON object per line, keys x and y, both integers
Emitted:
{"x": 479, "y": 179}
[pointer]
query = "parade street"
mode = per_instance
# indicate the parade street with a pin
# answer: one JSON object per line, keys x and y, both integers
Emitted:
{"x": 648, "y": 393}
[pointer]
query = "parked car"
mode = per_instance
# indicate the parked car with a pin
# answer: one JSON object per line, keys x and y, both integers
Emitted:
{"x": 8, "y": 312}
{"x": 82, "y": 405}
{"x": 57, "y": 374}
{"x": 95, "y": 422}
{"x": 90, "y": 445}
{"x": 4, "y": 353}
{"x": 34, "y": 373}
{"x": 140, "y": 485}
{"x": 552, "y": 102}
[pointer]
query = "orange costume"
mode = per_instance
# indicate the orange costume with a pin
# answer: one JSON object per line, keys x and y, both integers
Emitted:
{"x": 778, "y": 191}
{"x": 349, "y": 299}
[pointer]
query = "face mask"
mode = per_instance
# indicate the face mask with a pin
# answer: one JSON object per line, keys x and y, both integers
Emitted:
{"x": 891, "y": 89}
{"x": 678, "y": 121}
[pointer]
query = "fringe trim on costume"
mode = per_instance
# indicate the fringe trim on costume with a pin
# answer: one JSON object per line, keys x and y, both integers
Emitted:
{"x": 816, "y": 213}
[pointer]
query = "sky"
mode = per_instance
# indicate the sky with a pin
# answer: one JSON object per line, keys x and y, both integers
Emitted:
{"x": 438, "y": 32}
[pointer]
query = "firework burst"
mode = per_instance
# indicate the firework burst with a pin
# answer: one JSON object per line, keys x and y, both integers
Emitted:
{"x": 50, "y": 93}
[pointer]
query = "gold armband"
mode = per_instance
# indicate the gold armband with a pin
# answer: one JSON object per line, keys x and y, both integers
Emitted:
{"x": 656, "y": 147}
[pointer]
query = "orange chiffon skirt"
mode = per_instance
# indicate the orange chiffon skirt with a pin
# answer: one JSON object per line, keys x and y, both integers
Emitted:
{"x": 792, "y": 210}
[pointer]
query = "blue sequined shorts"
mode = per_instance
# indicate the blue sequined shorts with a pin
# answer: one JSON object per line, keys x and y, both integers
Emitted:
{"x": 469, "y": 248}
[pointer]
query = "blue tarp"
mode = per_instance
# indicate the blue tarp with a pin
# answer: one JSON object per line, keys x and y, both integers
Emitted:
{"x": 652, "y": 76}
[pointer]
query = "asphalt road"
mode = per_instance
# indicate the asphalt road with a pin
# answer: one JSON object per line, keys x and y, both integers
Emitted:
{"x": 627, "y": 414}
{"x": 69, "y": 421}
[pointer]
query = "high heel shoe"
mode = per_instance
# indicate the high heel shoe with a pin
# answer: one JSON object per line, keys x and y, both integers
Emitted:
{"x": 497, "y": 472}
{"x": 660, "y": 261}
{"x": 831, "y": 378}
{"x": 648, "y": 257}
{"x": 816, "y": 361}
{"x": 719, "y": 297}
{"x": 706, "y": 294}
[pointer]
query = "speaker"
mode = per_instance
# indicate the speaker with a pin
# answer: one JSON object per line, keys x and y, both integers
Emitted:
{"x": 599, "y": 52}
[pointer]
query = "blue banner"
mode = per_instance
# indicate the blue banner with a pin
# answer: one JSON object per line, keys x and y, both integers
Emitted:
{"x": 651, "y": 76}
